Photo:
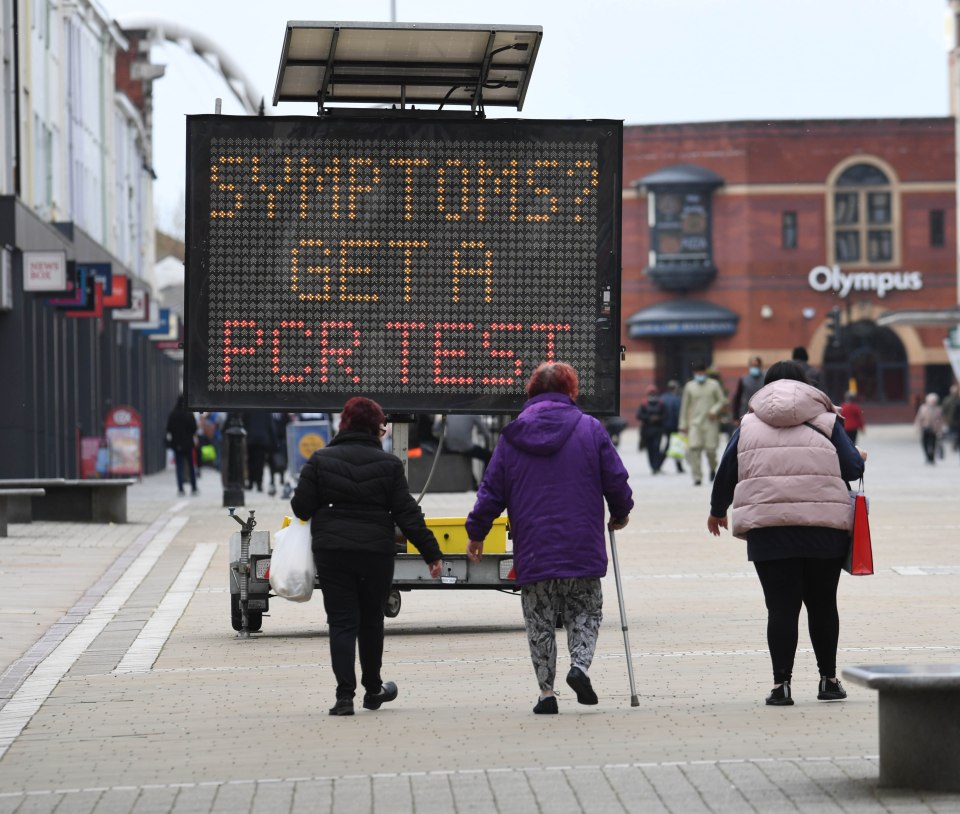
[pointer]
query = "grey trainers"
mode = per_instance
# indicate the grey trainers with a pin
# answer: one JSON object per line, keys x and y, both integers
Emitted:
{"x": 831, "y": 690}
{"x": 780, "y": 696}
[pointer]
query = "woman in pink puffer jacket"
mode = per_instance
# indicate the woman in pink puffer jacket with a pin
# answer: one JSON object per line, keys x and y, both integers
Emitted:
{"x": 786, "y": 472}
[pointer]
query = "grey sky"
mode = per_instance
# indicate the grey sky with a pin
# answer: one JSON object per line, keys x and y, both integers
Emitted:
{"x": 643, "y": 61}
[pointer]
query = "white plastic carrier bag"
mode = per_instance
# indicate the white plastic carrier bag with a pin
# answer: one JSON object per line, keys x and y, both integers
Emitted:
{"x": 292, "y": 568}
{"x": 677, "y": 448}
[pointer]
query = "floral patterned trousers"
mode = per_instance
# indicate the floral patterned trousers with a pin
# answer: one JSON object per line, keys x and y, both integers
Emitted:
{"x": 579, "y": 601}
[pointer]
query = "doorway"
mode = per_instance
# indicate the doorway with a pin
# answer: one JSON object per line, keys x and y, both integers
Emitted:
{"x": 676, "y": 355}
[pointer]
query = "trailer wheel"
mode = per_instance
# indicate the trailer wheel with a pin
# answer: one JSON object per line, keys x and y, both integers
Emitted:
{"x": 254, "y": 618}
{"x": 393, "y": 604}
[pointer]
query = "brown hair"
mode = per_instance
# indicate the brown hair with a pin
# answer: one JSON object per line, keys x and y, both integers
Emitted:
{"x": 554, "y": 377}
{"x": 362, "y": 415}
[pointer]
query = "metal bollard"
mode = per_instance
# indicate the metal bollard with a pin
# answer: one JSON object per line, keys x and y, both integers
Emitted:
{"x": 233, "y": 460}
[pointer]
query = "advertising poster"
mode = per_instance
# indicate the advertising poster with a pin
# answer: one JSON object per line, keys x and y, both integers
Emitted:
{"x": 123, "y": 431}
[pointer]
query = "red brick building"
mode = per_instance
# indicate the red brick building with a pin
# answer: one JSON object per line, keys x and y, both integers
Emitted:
{"x": 751, "y": 238}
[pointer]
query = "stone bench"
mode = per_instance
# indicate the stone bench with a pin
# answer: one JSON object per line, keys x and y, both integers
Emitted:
{"x": 8, "y": 495}
{"x": 84, "y": 501}
{"x": 919, "y": 712}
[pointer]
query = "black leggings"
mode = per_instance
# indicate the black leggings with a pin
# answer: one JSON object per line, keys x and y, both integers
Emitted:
{"x": 355, "y": 588}
{"x": 788, "y": 584}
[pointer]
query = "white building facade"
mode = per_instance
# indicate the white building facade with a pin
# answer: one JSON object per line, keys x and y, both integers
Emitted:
{"x": 76, "y": 198}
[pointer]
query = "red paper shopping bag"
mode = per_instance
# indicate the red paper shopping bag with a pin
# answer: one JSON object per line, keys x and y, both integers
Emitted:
{"x": 860, "y": 559}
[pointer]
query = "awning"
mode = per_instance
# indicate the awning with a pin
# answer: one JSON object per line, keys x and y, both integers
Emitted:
{"x": 680, "y": 175}
{"x": 682, "y": 317}
{"x": 921, "y": 316}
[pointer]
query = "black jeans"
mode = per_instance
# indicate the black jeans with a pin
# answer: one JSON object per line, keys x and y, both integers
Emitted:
{"x": 355, "y": 588}
{"x": 929, "y": 441}
{"x": 183, "y": 459}
{"x": 788, "y": 584}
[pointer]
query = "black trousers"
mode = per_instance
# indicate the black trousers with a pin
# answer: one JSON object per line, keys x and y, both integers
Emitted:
{"x": 256, "y": 459}
{"x": 788, "y": 584}
{"x": 655, "y": 451}
{"x": 355, "y": 588}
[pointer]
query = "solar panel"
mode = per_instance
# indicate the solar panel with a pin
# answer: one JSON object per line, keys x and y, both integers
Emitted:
{"x": 406, "y": 64}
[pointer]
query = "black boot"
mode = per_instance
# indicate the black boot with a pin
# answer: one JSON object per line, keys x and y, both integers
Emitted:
{"x": 373, "y": 700}
{"x": 344, "y": 706}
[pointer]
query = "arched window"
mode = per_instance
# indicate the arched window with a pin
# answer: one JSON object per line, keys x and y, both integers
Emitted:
{"x": 864, "y": 220}
{"x": 874, "y": 357}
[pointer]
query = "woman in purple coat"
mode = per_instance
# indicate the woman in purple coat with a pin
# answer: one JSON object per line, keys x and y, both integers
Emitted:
{"x": 552, "y": 470}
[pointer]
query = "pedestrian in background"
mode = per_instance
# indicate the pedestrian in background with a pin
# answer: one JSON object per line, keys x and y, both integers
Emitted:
{"x": 353, "y": 493}
{"x": 181, "y": 438}
{"x": 950, "y": 408}
{"x": 929, "y": 421}
{"x": 671, "y": 400}
{"x": 801, "y": 357}
{"x": 723, "y": 417}
{"x": 853, "y": 422}
{"x": 552, "y": 470}
{"x": 786, "y": 472}
{"x": 261, "y": 441}
{"x": 747, "y": 385}
{"x": 211, "y": 432}
{"x": 459, "y": 439}
{"x": 701, "y": 407}
{"x": 277, "y": 458}
{"x": 652, "y": 415}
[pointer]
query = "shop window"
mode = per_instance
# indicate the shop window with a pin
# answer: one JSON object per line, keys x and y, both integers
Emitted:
{"x": 788, "y": 230}
{"x": 864, "y": 222}
{"x": 938, "y": 234}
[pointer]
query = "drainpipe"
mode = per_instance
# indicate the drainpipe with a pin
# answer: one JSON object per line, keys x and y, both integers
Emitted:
{"x": 16, "y": 98}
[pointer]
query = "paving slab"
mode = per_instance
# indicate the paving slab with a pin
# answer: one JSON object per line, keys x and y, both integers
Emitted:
{"x": 214, "y": 723}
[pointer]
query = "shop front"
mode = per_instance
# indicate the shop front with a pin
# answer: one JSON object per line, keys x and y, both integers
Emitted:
{"x": 750, "y": 239}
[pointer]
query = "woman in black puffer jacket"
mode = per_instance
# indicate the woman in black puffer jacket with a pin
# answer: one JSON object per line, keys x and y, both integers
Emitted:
{"x": 354, "y": 494}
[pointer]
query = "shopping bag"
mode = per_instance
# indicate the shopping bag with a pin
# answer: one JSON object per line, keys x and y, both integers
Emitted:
{"x": 677, "y": 447}
{"x": 292, "y": 568}
{"x": 859, "y": 560}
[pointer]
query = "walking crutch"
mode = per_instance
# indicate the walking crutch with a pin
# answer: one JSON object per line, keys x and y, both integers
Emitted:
{"x": 634, "y": 701}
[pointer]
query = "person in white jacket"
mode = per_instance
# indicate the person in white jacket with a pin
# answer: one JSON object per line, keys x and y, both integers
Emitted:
{"x": 702, "y": 405}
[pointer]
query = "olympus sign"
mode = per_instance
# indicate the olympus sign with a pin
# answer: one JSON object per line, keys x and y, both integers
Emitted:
{"x": 825, "y": 278}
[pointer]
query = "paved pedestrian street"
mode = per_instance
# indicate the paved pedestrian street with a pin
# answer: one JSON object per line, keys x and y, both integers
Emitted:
{"x": 125, "y": 689}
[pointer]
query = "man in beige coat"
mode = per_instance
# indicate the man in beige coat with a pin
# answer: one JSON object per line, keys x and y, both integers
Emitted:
{"x": 700, "y": 409}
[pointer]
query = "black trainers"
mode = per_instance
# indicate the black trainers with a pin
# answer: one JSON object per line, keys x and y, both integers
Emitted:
{"x": 831, "y": 690}
{"x": 344, "y": 706}
{"x": 373, "y": 700}
{"x": 546, "y": 706}
{"x": 579, "y": 681}
{"x": 780, "y": 696}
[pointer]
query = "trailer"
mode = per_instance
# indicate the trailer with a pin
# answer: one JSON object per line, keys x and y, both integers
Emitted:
{"x": 250, "y": 553}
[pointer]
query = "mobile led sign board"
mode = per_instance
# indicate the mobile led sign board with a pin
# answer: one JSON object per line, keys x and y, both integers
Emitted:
{"x": 428, "y": 263}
